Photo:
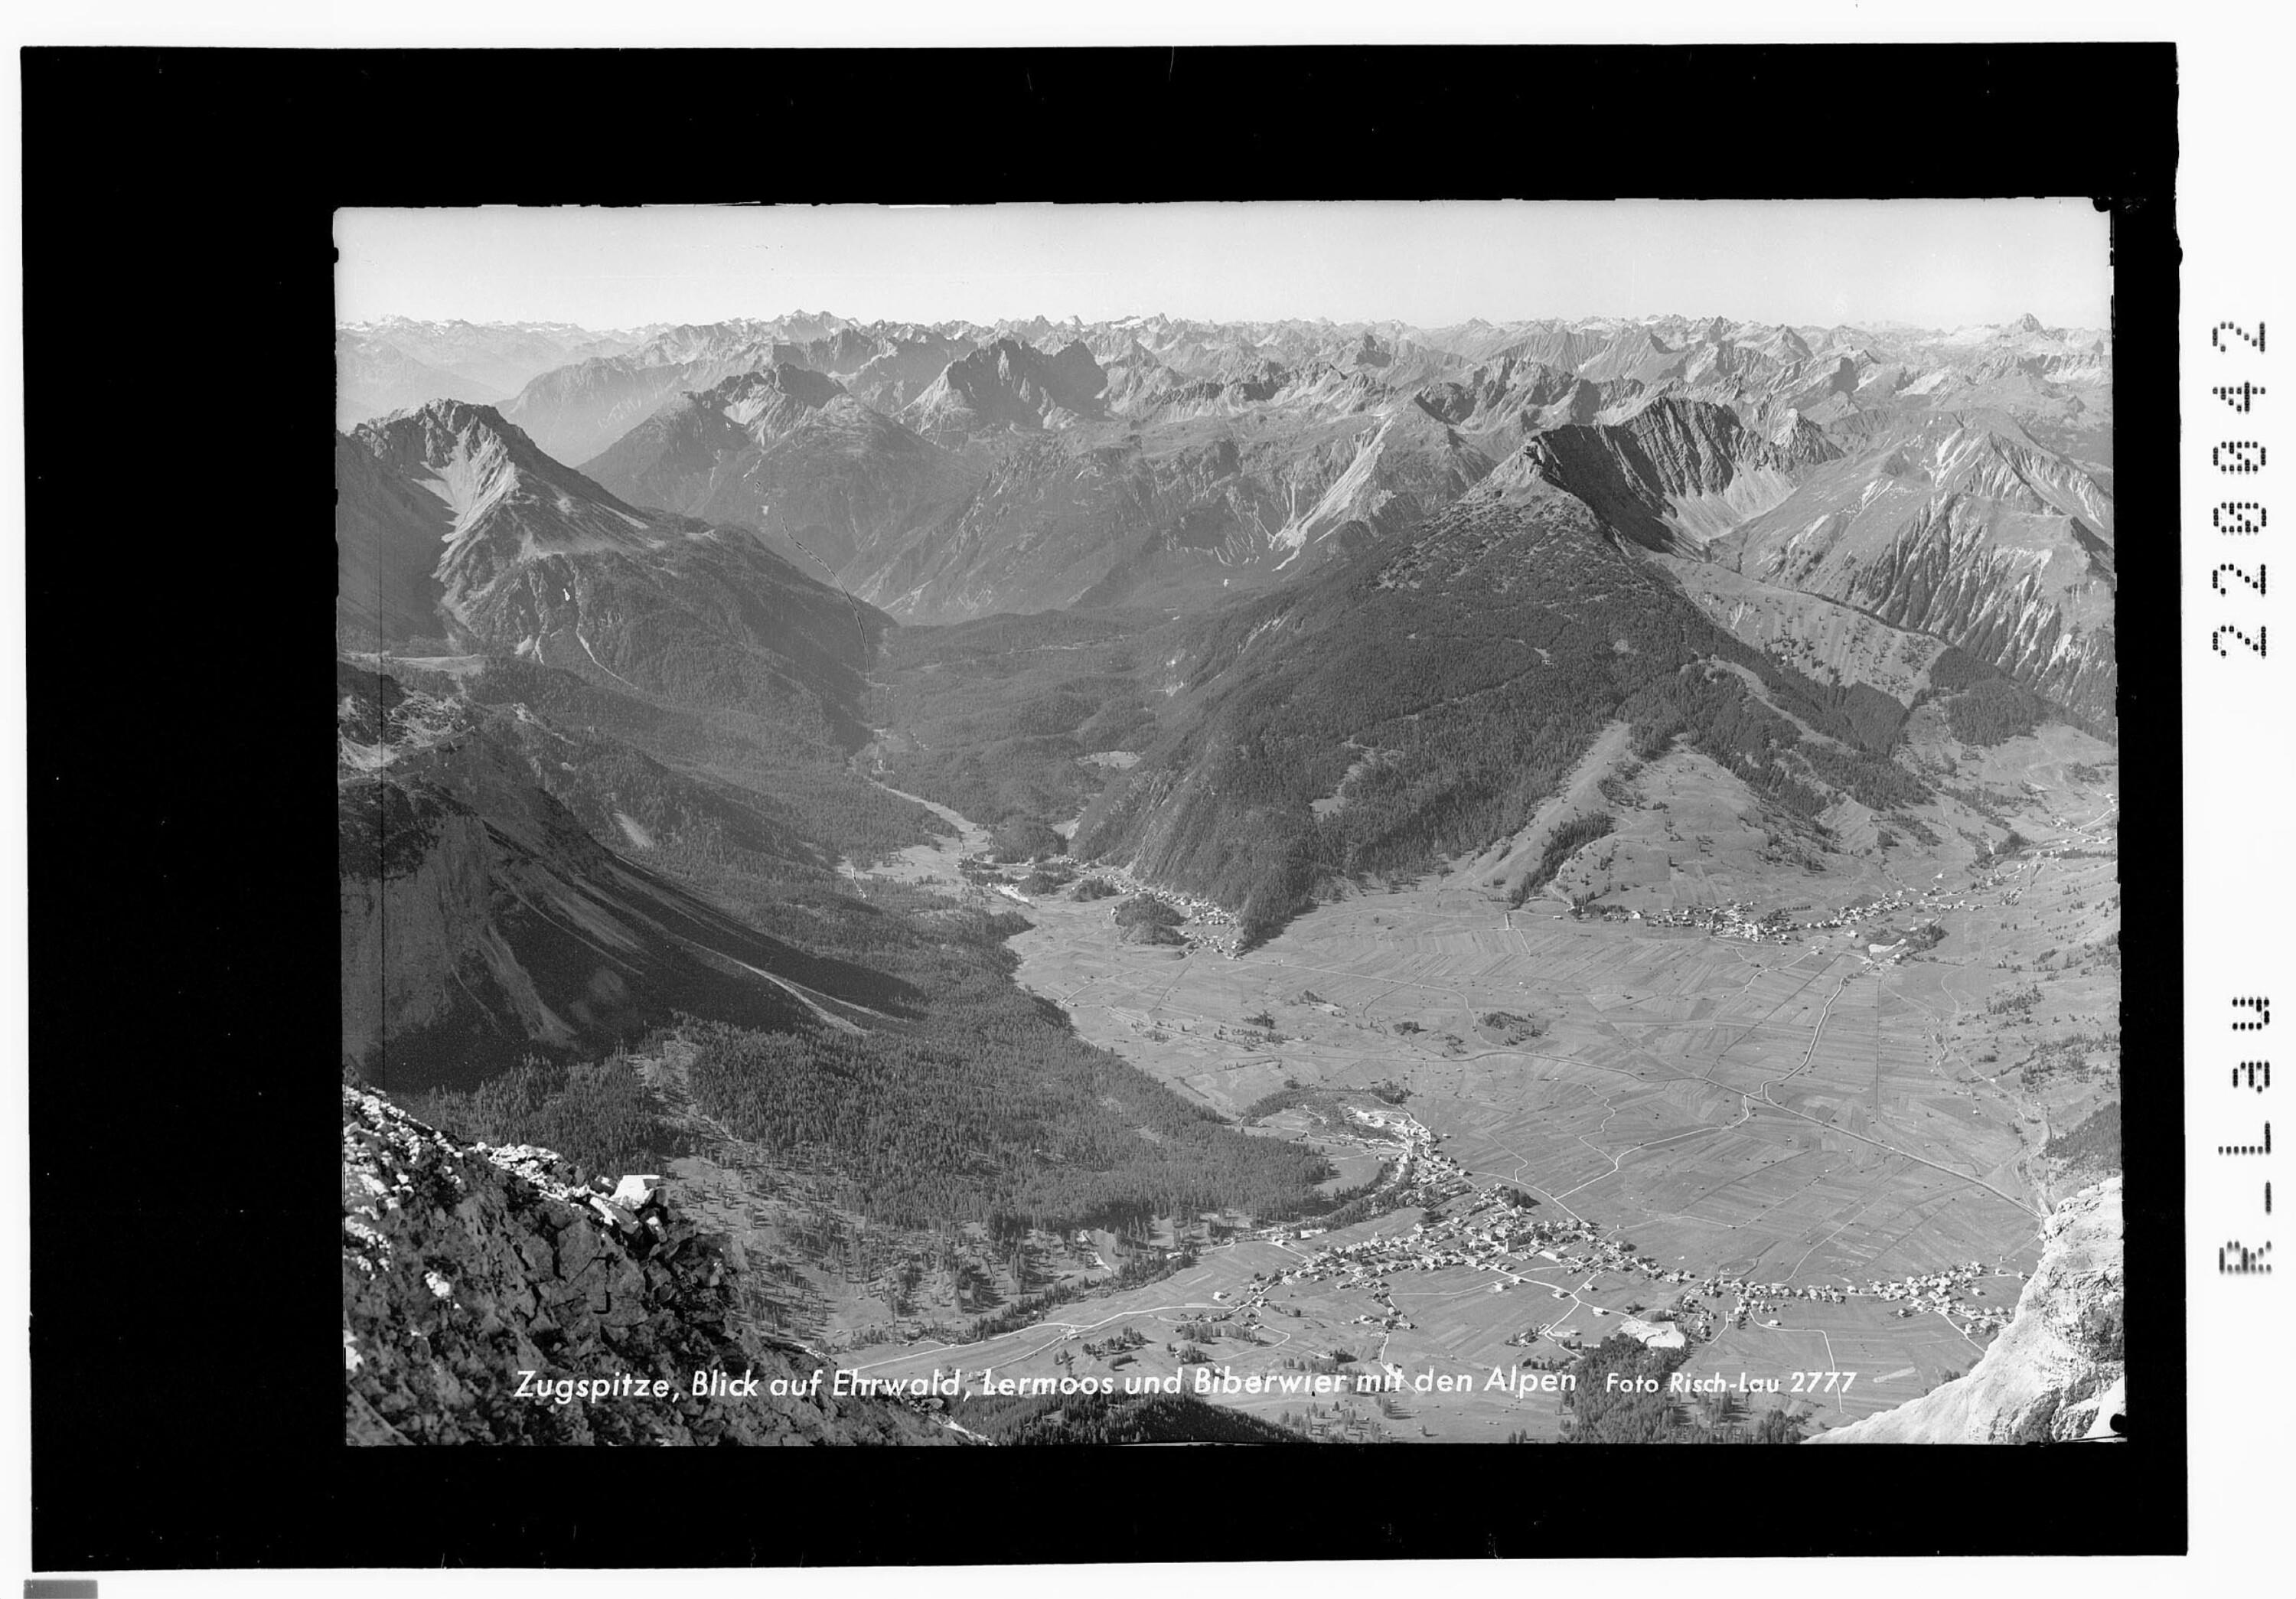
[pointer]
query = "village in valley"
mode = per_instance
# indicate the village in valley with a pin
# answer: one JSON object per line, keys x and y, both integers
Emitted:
{"x": 1494, "y": 1230}
{"x": 1780, "y": 1138}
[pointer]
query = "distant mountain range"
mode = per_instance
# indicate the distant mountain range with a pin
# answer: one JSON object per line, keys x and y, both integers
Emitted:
{"x": 577, "y": 392}
{"x": 1524, "y": 530}
{"x": 390, "y": 364}
{"x": 954, "y": 470}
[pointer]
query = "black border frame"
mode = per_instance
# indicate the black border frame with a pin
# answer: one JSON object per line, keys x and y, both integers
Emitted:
{"x": 177, "y": 283}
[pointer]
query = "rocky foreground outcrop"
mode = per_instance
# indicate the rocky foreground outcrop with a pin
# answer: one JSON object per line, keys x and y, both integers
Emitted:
{"x": 467, "y": 1268}
{"x": 2056, "y": 1371}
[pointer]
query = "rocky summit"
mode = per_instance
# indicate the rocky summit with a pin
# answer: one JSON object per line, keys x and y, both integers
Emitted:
{"x": 480, "y": 1284}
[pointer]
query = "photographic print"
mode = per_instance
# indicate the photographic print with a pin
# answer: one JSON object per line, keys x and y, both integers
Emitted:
{"x": 1263, "y": 822}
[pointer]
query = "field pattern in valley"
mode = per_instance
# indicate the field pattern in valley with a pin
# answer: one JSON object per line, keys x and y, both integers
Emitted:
{"x": 1798, "y": 1113}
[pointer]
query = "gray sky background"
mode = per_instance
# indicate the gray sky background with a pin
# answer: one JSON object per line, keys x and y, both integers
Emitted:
{"x": 1939, "y": 264}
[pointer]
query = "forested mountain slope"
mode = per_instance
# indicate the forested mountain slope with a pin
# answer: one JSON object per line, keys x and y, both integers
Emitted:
{"x": 481, "y": 919}
{"x": 1432, "y": 691}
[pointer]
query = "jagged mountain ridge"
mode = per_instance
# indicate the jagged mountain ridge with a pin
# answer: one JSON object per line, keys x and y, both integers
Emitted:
{"x": 1960, "y": 527}
{"x": 575, "y": 411}
{"x": 1963, "y": 527}
{"x": 1065, "y": 524}
{"x": 1512, "y": 398}
{"x": 1180, "y": 519}
{"x": 578, "y": 410}
{"x": 941, "y": 531}
{"x": 1011, "y": 384}
{"x": 790, "y": 453}
{"x": 536, "y": 560}
{"x": 1672, "y": 474}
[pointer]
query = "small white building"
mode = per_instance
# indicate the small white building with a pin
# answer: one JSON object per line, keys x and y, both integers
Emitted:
{"x": 1654, "y": 1335}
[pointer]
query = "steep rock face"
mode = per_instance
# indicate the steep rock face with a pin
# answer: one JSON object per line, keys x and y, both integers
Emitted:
{"x": 670, "y": 459}
{"x": 1012, "y": 385}
{"x": 789, "y": 453}
{"x": 1251, "y": 385}
{"x": 1638, "y": 353}
{"x": 1058, "y": 521}
{"x": 1051, "y": 522}
{"x": 499, "y": 500}
{"x": 1498, "y": 403}
{"x": 535, "y": 558}
{"x": 1140, "y": 387}
{"x": 481, "y": 919}
{"x": 1948, "y": 574}
{"x": 465, "y": 1266}
{"x": 900, "y": 365}
{"x": 1675, "y": 474}
{"x": 388, "y": 538}
{"x": 1552, "y": 345}
{"x": 767, "y": 405}
{"x": 2057, "y": 1370}
{"x": 1399, "y": 474}
{"x": 1024, "y": 520}
{"x": 1780, "y": 343}
{"x": 1964, "y": 528}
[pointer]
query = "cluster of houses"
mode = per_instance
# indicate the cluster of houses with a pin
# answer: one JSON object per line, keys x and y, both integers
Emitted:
{"x": 1497, "y": 1235}
{"x": 1939, "y": 1292}
{"x": 1494, "y": 1234}
{"x": 1936, "y": 1291}
{"x": 981, "y": 871}
{"x": 1738, "y": 920}
{"x": 1731, "y": 921}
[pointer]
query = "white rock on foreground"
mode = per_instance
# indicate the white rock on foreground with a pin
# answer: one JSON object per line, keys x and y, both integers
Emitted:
{"x": 2056, "y": 1370}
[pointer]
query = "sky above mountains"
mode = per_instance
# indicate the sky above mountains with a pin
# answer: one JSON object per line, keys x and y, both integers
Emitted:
{"x": 1937, "y": 263}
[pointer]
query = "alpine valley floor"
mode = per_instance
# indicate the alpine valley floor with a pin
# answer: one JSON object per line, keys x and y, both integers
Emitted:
{"x": 1689, "y": 1107}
